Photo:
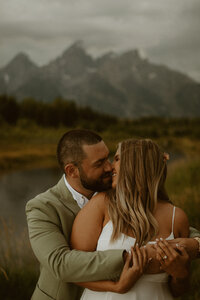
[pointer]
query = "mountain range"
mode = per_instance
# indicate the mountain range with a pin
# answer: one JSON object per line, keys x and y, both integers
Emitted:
{"x": 125, "y": 85}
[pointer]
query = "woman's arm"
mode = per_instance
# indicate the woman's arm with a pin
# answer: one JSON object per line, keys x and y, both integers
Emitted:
{"x": 176, "y": 262}
{"x": 88, "y": 224}
{"x": 86, "y": 230}
{"x": 134, "y": 267}
{"x": 181, "y": 224}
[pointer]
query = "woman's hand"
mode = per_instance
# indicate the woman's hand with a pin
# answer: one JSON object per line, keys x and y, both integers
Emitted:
{"x": 136, "y": 263}
{"x": 190, "y": 244}
{"x": 174, "y": 262}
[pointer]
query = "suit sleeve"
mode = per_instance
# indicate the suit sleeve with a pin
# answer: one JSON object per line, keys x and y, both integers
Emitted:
{"x": 194, "y": 232}
{"x": 53, "y": 252}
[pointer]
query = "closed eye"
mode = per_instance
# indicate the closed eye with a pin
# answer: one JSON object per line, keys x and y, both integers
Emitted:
{"x": 116, "y": 158}
{"x": 100, "y": 162}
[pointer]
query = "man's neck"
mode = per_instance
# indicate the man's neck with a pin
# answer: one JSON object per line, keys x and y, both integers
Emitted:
{"x": 80, "y": 189}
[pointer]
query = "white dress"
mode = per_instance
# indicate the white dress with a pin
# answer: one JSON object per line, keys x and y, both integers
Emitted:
{"x": 149, "y": 286}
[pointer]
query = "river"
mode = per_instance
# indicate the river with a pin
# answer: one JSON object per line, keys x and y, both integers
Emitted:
{"x": 18, "y": 187}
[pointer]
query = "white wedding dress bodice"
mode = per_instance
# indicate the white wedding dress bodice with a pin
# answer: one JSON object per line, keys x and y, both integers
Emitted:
{"x": 149, "y": 286}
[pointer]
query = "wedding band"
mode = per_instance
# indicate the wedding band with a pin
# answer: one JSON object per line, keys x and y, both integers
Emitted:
{"x": 165, "y": 257}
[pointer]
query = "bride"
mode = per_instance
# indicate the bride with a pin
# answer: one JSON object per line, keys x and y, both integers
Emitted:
{"x": 135, "y": 215}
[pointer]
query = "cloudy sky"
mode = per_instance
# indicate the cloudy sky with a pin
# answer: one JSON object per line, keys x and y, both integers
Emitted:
{"x": 166, "y": 31}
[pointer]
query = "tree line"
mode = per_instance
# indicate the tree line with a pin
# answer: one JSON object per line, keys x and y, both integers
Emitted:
{"x": 62, "y": 112}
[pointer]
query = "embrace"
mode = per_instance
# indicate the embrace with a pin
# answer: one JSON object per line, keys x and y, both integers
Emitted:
{"x": 110, "y": 228}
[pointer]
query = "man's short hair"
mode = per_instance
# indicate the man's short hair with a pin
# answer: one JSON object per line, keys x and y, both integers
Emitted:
{"x": 70, "y": 146}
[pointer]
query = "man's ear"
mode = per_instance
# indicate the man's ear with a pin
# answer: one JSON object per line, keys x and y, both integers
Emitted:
{"x": 71, "y": 170}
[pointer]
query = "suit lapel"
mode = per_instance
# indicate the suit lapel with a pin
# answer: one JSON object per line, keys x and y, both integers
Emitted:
{"x": 66, "y": 197}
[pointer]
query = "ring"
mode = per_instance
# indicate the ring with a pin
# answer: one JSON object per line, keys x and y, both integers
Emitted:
{"x": 165, "y": 257}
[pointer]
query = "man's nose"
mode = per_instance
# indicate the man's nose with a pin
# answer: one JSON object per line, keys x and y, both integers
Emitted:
{"x": 107, "y": 166}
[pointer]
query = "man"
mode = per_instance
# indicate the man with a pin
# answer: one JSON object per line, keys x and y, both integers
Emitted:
{"x": 83, "y": 156}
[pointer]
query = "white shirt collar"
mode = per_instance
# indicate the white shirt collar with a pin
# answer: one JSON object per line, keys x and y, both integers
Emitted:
{"x": 80, "y": 199}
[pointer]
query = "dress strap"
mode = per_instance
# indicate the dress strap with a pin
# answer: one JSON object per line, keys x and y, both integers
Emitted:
{"x": 173, "y": 218}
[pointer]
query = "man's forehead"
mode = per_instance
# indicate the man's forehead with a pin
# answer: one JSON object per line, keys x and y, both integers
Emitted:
{"x": 96, "y": 151}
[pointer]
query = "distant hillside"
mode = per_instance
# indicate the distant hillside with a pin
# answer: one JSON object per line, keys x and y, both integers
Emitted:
{"x": 124, "y": 85}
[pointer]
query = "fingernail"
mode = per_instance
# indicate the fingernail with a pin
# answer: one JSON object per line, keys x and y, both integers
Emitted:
{"x": 177, "y": 245}
{"x": 161, "y": 239}
{"x": 157, "y": 240}
{"x": 150, "y": 259}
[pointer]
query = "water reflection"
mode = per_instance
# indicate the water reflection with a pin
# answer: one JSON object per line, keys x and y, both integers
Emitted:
{"x": 18, "y": 187}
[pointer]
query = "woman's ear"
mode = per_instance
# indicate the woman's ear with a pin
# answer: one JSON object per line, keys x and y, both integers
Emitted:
{"x": 71, "y": 170}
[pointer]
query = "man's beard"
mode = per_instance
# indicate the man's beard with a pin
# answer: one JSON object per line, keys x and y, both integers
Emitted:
{"x": 97, "y": 185}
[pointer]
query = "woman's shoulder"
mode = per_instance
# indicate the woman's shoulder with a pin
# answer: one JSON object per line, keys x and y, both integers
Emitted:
{"x": 165, "y": 206}
{"x": 181, "y": 216}
{"x": 99, "y": 197}
{"x": 88, "y": 224}
{"x": 178, "y": 212}
{"x": 97, "y": 202}
{"x": 169, "y": 213}
{"x": 181, "y": 223}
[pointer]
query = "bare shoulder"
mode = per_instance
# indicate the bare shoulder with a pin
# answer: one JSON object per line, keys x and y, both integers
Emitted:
{"x": 93, "y": 210}
{"x": 88, "y": 224}
{"x": 181, "y": 223}
{"x": 181, "y": 215}
{"x": 96, "y": 202}
{"x": 164, "y": 216}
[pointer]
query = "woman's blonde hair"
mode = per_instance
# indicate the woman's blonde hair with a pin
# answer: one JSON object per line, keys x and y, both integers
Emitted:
{"x": 140, "y": 184}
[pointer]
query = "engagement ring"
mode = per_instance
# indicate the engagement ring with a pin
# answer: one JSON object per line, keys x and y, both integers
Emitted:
{"x": 165, "y": 257}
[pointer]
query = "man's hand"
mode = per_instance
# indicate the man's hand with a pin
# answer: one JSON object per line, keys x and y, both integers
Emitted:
{"x": 190, "y": 245}
{"x": 174, "y": 262}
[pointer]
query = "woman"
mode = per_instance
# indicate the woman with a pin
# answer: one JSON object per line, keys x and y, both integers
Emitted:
{"x": 136, "y": 211}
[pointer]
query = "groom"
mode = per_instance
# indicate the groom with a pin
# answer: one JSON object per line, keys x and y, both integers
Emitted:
{"x": 83, "y": 157}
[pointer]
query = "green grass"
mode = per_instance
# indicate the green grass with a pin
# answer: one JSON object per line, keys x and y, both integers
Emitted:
{"x": 18, "y": 266}
{"x": 183, "y": 184}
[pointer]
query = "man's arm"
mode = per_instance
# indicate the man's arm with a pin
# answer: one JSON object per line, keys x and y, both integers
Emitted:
{"x": 194, "y": 232}
{"x": 53, "y": 251}
{"x": 190, "y": 244}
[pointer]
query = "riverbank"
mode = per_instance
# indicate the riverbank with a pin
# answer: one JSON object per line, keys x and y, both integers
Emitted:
{"x": 27, "y": 147}
{"x": 26, "y": 156}
{"x": 31, "y": 147}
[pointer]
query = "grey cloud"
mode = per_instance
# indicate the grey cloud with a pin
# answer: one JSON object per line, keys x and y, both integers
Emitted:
{"x": 166, "y": 30}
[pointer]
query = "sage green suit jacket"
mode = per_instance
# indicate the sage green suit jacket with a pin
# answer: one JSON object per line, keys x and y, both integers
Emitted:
{"x": 50, "y": 216}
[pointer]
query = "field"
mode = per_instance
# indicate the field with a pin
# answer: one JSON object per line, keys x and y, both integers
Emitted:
{"x": 29, "y": 146}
